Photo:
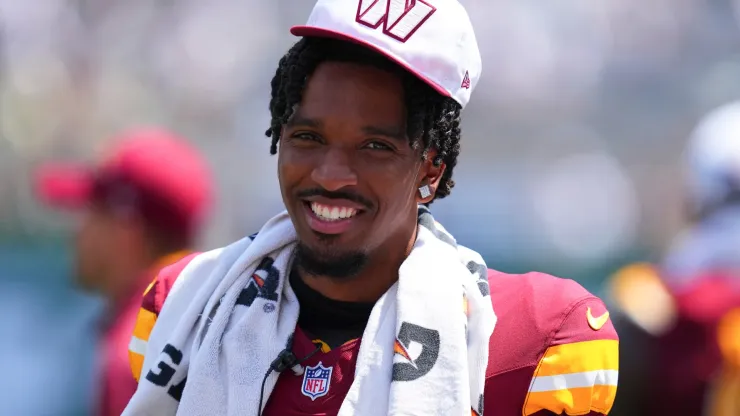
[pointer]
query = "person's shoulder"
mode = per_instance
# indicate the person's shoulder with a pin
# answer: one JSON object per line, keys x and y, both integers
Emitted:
{"x": 157, "y": 292}
{"x": 151, "y": 305}
{"x": 197, "y": 265}
{"x": 536, "y": 311}
{"x": 170, "y": 281}
{"x": 550, "y": 329}
{"x": 535, "y": 287}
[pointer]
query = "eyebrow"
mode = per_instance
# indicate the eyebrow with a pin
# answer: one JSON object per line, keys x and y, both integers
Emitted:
{"x": 392, "y": 133}
{"x": 298, "y": 120}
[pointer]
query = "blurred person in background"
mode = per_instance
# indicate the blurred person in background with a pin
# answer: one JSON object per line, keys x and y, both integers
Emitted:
{"x": 142, "y": 207}
{"x": 724, "y": 394}
{"x": 355, "y": 301}
{"x": 679, "y": 319}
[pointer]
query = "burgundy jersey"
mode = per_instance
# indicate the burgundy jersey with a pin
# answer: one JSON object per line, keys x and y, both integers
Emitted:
{"x": 553, "y": 351}
{"x": 327, "y": 376}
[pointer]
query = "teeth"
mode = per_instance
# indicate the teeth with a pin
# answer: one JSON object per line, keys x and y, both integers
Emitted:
{"x": 332, "y": 213}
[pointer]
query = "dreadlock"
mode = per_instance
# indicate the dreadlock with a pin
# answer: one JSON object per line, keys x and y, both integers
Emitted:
{"x": 433, "y": 120}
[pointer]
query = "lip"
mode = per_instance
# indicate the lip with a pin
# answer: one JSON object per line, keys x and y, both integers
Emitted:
{"x": 329, "y": 227}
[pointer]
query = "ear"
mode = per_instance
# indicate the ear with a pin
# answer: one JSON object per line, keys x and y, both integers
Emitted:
{"x": 429, "y": 175}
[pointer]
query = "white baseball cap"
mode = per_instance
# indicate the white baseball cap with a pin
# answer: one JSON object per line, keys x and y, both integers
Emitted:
{"x": 432, "y": 39}
{"x": 713, "y": 155}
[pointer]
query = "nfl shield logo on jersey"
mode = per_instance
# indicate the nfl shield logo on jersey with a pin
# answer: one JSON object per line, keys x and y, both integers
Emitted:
{"x": 316, "y": 381}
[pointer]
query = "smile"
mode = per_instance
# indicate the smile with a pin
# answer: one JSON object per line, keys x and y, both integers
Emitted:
{"x": 328, "y": 218}
{"x": 332, "y": 213}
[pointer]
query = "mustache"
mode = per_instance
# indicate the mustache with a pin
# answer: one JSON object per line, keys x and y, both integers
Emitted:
{"x": 336, "y": 195}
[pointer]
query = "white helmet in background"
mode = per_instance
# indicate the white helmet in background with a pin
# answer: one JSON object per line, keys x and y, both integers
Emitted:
{"x": 713, "y": 156}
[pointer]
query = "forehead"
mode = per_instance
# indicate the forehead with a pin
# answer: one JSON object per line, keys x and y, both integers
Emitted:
{"x": 353, "y": 93}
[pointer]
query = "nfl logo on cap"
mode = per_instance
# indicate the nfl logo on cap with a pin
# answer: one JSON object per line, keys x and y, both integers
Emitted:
{"x": 316, "y": 381}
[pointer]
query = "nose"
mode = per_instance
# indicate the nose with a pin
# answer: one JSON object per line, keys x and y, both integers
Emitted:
{"x": 335, "y": 171}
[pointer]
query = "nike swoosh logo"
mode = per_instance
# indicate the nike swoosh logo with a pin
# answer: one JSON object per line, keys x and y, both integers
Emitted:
{"x": 598, "y": 322}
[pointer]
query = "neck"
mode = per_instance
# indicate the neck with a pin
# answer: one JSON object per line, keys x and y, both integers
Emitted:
{"x": 380, "y": 273}
{"x": 126, "y": 277}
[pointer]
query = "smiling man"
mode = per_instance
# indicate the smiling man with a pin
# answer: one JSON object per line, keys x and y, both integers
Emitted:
{"x": 346, "y": 168}
{"x": 355, "y": 301}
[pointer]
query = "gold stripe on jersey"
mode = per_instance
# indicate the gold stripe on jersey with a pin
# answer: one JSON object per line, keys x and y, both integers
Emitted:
{"x": 144, "y": 324}
{"x": 575, "y": 379}
{"x": 728, "y": 337}
{"x": 146, "y": 318}
{"x": 137, "y": 363}
{"x": 724, "y": 392}
{"x": 149, "y": 288}
{"x": 137, "y": 347}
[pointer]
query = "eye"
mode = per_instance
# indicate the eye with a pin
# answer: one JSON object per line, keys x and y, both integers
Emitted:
{"x": 378, "y": 146}
{"x": 305, "y": 139}
{"x": 302, "y": 135}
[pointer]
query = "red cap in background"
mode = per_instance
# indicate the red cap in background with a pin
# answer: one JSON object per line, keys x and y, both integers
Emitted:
{"x": 151, "y": 173}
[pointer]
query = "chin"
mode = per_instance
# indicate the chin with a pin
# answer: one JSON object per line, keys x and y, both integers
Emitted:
{"x": 330, "y": 259}
{"x": 327, "y": 246}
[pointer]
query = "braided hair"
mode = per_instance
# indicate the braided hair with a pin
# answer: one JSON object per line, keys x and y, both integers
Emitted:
{"x": 433, "y": 120}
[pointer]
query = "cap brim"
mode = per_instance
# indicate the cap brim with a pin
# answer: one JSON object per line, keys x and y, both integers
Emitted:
{"x": 63, "y": 185}
{"x": 319, "y": 32}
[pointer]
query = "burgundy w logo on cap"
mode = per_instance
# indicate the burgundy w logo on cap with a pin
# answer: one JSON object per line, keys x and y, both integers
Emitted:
{"x": 400, "y": 18}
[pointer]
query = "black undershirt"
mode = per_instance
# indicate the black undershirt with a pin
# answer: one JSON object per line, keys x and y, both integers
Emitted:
{"x": 333, "y": 322}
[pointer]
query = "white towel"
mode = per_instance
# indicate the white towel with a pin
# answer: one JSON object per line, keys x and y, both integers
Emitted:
{"x": 232, "y": 311}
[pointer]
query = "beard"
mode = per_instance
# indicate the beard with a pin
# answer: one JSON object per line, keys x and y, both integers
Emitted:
{"x": 330, "y": 262}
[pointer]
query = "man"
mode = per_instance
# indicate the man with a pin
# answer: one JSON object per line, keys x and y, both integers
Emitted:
{"x": 684, "y": 309}
{"x": 366, "y": 124}
{"x": 142, "y": 208}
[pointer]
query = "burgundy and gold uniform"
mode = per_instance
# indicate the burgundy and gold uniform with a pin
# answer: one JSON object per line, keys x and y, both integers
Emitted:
{"x": 553, "y": 351}
{"x": 694, "y": 321}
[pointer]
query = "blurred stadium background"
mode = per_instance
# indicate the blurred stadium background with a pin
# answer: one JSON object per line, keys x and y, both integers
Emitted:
{"x": 571, "y": 158}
